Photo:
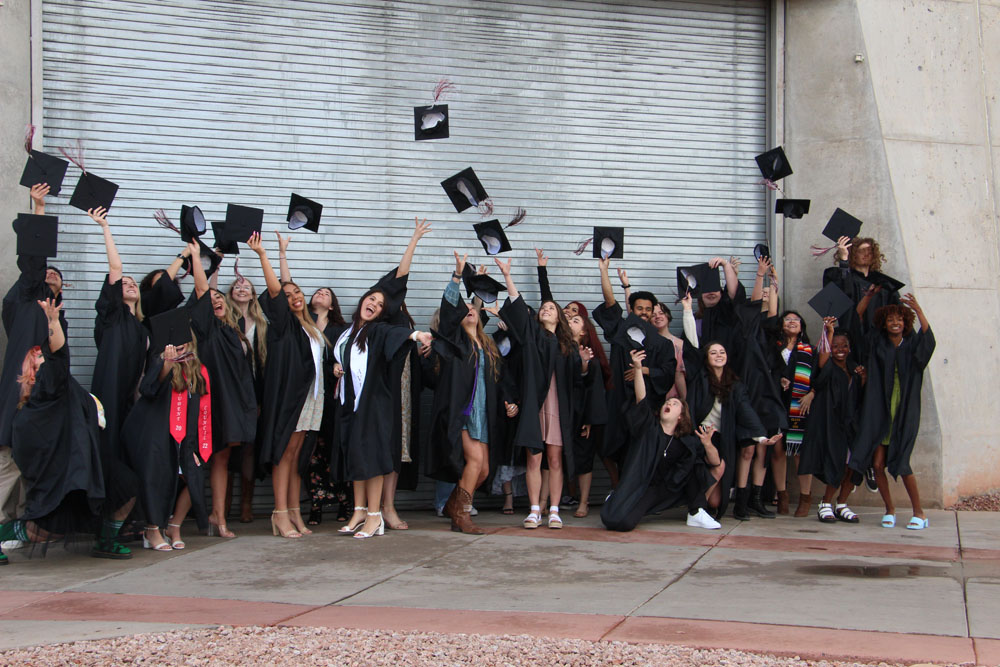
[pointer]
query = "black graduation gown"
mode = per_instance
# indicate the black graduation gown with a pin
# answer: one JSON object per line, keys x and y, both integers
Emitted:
{"x": 26, "y": 326}
{"x": 739, "y": 421}
{"x": 591, "y": 408}
{"x": 164, "y": 295}
{"x": 660, "y": 360}
{"x": 288, "y": 378}
{"x": 540, "y": 359}
{"x": 858, "y": 328}
{"x": 722, "y": 324}
{"x": 910, "y": 359}
{"x": 234, "y": 400}
{"x": 754, "y": 369}
{"x": 155, "y": 456}
{"x": 452, "y": 394}
{"x": 56, "y": 446}
{"x": 833, "y": 423}
{"x": 364, "y": 436}
{"x": 647, "y": 444}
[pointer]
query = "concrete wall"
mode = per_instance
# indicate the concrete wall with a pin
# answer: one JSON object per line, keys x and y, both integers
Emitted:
{"x": 15, "y": 110}
{"x": 906, "y": 140}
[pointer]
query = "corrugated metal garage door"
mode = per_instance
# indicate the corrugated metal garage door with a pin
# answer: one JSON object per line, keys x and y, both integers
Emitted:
{"x": 643, "y": 114}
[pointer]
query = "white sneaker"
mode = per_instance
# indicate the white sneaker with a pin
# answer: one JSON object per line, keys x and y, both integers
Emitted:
{"x": 11, "y": 545}
{"x": 703, "y": 520}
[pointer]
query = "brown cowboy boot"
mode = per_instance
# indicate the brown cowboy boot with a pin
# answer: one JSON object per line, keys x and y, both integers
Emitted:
{"x": 451, "y": 506}
{"x": 805, "y": 500}
{"x": 461, "y": 522}
{"x": 782, "y": 502}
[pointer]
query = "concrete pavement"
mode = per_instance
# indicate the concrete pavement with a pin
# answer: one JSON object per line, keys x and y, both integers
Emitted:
{"x": 788, "y": 586}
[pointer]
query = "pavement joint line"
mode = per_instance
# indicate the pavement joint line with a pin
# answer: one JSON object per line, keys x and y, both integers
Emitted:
{"x": 965, "y": 581}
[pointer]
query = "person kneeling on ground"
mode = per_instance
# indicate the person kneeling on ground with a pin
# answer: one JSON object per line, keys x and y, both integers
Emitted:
{"x": 666, "y": 466}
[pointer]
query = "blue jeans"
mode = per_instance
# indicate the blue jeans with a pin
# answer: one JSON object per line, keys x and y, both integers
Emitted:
{"x": 441, "y": 492}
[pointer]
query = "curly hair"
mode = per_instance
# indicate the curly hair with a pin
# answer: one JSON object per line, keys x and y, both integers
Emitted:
{"x": 593, "y": 341}
{"x": 877, "y": 256}
{"x": 885, "y": 312}
{"x": 720, "y": 387}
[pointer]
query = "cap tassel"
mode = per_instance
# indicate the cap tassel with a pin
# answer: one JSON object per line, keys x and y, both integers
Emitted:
{"x": 236, "y": 270}
{"x": 824, "y": 343}
{"x": 443, "y": 87}
{"x": 770, "y": 185}
{"x": 76, "y": 156}
{"x": 485, "y": 207}
{"x": 29, "y": 135}
{"x": 819, "y": 251}
{"x": 582, "y": 248}
{"x": 161, "y": 217}
{"x": 518, "y": 218}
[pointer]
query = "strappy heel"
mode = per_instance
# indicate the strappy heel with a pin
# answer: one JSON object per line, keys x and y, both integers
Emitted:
{"x": 292, "y": 534}
{"x": 378, "y": 531}
{"x": 178, "y": 543}
{"x": 348, "y": 529}
{"x": 303, "y": 529}
{"x": 146, "y": 544}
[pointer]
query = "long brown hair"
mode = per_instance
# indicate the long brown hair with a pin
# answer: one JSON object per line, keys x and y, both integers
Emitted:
{"x": 685, "y": 425}
{"x": 186, "y": 376}
{"x": 305, "y": 318}
{"x": 255, "y": 313}
{"x": 231, "y": 317}
{"x": 877, "y": 256}
{"x": 563, "y": 334}
{"x": 593, "y": 341}
{"x": 488, "y": 345}
{"x": 361, "y": 340}
{"x": 720, "y": 387}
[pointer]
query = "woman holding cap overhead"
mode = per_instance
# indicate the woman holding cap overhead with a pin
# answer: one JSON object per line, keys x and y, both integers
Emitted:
{"x": 552, "y": 378}
{"x": 223, "y": 349}
{"x": 890, "y": 414}
{"x": 293, "y": 392}
{"x": 363, "y": 356}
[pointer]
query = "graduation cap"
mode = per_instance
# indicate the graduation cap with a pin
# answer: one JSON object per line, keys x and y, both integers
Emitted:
{"x": 773, "y": 165}
{"x": 37, "y": 235}
{"x": 699, "y": 279}
{"x": 841, "y": 223}
{"x": 502, "y": 340}
{"x": 609, "y": 242}
{"x": 760, "y": 250}
{"x": 172, "y": 327}
{"x": 465, "y": 190}
{"x": 209, "y": 260}
{"x": 481, "y": 285}
{"x": 44, "y": 168}
{"x": 431, "y": 122}
{"x": 492, "y": 236}
{"x": 193, "y": 223}
{"x": 791, "y": 208}
{"x": 887, "y": 283}
{"x": 241, "y": 222}
{"x": 92, "y": 191}
{"x": 636, "y": 334}
{"x": 302, "y": 212}
{"x": 831, "y": 302}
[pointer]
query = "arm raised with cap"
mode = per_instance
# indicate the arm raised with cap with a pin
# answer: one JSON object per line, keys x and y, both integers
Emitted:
{"x": 273, "y": 284}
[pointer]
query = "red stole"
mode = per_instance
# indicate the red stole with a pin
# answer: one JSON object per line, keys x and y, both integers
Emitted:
{"x": 178, "y": 417}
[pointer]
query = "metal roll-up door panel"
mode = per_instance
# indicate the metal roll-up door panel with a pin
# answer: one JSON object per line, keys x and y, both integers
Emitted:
{"x": 642, "y": 114}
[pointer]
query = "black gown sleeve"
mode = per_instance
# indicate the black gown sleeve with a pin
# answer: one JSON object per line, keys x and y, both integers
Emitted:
{"x": 394, "y": 288}
{"x": 609, "y": 318}
{"x": 924, "y": 345}
{"x": 638, "y": 418}
{"x": 164, "y": 295}
{"x": 203, "y": 319}
{"x": 517, "y": 316}
{"x": 748, "y": 424}
{"x": 543, "y": 284}
{"x": 52, "y": 377}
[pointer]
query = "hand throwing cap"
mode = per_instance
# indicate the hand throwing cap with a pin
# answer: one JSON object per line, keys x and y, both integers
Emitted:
{"x": 841, "y": 223}
{"x": 609, "y": 242}
{"x": 172, "y": 327}
{"x": 92, "y": 191}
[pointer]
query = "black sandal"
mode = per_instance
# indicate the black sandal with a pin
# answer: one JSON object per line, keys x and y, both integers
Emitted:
{"x": 315, "y": 515}
{"x": 342, "y": 512}
{"x": 508, "y": 510}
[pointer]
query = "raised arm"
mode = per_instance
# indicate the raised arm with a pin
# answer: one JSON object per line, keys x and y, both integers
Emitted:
{"x": 626, "y": 285}
{"x": 638, "y": 383}
{"x": 687, "y": 319}
{"x": 543, "y": 275}
{"x": 732, "y": 279}
{"x": 56, "y": 336}
{"x": 197, "y": 270}
{"x": 273, "y": 285}
{"x": 512, "y": 292}
{"x": 178, "y": 262}
{"x": 100, "y": 216}
{"x": 420, "y": 228}
{"x": 286, "y": 273}
{"x": 866, "y": 299}
{"x": 772, "y": 298}
{"x": 609, "y": 294}
{"x": 910, "y": 302}
{"x": 763, "y": 267}
{"x": 38, "y": 194}
{"x": 823, "y": 349}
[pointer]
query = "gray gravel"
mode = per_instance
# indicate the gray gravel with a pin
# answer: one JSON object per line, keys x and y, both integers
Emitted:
{"x": 322, "y": 646}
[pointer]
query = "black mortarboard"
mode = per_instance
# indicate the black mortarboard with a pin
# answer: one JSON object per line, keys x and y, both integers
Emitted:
{"x": 773, "y": 164}
{"x": 481, "y": 285}
{"x": 791, "y": 208}
{"x": 172, "y": 327}
{"x": 92, "y": 191}
{"x": 887, "y": 283}
{"x": 465, "y": 190}
{"x": 503, "y": 342}
{"x": 831, "y": 302}
{"x": 699, "y": 278}
{"x": 841, "y": 223}
{"x": 193, "y": 223}
{"x": 303, "y": 212}
{"x": 37, "y": 235}
{"x": 430, "y": 122}
{"x": 241, "y": 223}
{"x": 760, "y": 250}
{"x": 491, "y": 235}
{"x": 609, "y": 242}
{"x": 209, "y": 260}
{"x": 44, "y": 168}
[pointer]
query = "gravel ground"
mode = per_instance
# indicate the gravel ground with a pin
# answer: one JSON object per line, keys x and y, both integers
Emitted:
{"x": 988, "y": 502}
{"x": 321, "y": 646}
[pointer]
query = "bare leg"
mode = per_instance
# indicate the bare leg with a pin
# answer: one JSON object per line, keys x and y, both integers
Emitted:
{"x": 280, "y": 476}
{"x": 584, "y": 481}
{"x": 219, "y": 481}
{"x": 743, "y": 466}
{"x": 779, "y": 467}
{"x": 508, "y": 498}
{"x": 294, "y": 498}
{"x": 392, "y": 519}
{"x": 760, "y": 464}
{"x": 543, "y": 495}
{"x": 714, "y": 493}
{"x": 910, "y": 482}
{"x": 878, "y": 463}
{"x": 373, "y": 496}
{"x": 181, "y": 509}
{"x": 533, "y": 476}
{"x": 612, "y": 469}
{"x": 555, "y": 474}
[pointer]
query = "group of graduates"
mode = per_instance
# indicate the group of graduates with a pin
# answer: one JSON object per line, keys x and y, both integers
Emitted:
{"x": 236, "y": 381}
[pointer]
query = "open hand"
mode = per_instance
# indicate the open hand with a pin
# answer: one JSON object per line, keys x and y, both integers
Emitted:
{"x": 99, "y": 215}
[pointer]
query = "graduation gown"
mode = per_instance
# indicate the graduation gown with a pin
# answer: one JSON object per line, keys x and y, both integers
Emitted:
{"x": 56, "y": 446}
{"x": 288, "y": 378}
{"x": 364, "y": 434}
{"x": 591, "y": 408}
{"x": 884, "y": 360}
{"x": 156, "y": 457}
{"x": 858, "y": 328}
{"x": 541, "y": 358}
{"x": 453, "y": 391}
{"x": 26, "y": 326}
{"x": 234, "y": 400}
{"x": 721, "y": 324}
{"x": 660, "y": 360}
{"x": 647, "y": 444}
{"x": 738, "y": 425}
{"x": 754, "y": 368}
{"x": 164, "y": 295}
{"x": 832, "y": 425}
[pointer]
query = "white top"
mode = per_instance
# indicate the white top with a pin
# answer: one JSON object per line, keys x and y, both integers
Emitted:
{"x": 786, "y": 354}
{"x": 316, "y": 347}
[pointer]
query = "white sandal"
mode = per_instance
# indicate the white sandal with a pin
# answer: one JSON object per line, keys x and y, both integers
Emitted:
{"x": 825, "y": 512}
{"x": 554, "y": 521}
{"x": 531, "y": 521}
{"x": 844, "y": 513}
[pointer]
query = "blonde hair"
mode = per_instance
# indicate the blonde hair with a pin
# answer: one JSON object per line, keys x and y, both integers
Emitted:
{"x": 305, "y": 318}
{"x": 186, "y": 376}
{"x": 255, "y": 313}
